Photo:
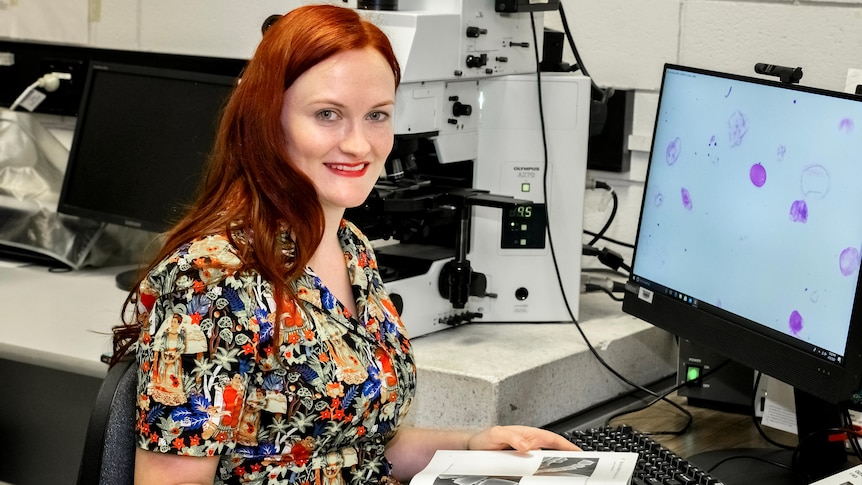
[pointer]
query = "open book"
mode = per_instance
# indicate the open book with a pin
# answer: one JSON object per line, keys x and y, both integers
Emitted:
{"x": 543, "y": 467}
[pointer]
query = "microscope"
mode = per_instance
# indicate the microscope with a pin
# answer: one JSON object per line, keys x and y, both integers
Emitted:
{"x": 478, "y": 216}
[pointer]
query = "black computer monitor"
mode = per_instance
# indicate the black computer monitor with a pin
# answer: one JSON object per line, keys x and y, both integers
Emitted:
{"x": 142, "y": 138}
{"x": 750, "y": 235}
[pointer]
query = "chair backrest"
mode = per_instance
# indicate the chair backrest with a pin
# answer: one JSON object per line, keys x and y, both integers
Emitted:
{"x": 110, "y": 443}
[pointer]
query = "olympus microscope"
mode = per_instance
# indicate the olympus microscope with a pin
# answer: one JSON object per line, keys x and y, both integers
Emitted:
{"x": 479, "y": 215}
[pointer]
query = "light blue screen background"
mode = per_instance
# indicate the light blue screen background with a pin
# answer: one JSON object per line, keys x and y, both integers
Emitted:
{"x": 733, "y": 166}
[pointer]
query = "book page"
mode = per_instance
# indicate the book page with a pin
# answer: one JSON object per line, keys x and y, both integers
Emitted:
{"x": 449, "y": 467}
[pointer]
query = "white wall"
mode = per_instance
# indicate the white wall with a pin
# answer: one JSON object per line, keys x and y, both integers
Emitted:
{"x": 623, "y": 43}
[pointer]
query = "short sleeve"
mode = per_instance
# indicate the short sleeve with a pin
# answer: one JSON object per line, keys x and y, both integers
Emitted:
{"x": 197, "y": 350}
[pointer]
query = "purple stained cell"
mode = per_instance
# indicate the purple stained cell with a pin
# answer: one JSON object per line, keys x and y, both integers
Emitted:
{"x": 737, "y": 127}
{"x": 672, "y": 151}
{"x": 848, "y": 261}
{"x": 846, "y": 126}
{"x": 799, "y": 211}
{"x": 757, "y": 174}
{"x": 686, "y": 198}
{"x": 795, "y": 322}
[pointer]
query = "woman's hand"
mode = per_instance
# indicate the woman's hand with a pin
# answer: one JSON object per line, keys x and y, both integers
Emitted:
{"x": 520, "y": 438}
{"x": 412, "y": 448}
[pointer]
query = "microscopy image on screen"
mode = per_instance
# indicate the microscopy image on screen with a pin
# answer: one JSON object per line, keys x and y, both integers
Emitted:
{"x": 744, "y": 180}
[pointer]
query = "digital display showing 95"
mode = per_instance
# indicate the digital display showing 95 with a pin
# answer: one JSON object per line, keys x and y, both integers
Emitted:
{"x": 523, "y": 227}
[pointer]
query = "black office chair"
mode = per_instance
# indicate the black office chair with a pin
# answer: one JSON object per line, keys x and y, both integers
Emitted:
{"x": 110, "y": 443}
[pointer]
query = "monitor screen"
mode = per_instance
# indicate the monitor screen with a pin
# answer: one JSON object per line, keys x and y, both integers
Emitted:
{"x": 750, "y": 233}
{"x": 142, "y": 138}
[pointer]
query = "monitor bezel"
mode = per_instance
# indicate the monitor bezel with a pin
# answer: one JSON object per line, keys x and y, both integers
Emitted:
{"x": 65, "y": 205}
{"x": 733, "y": 336}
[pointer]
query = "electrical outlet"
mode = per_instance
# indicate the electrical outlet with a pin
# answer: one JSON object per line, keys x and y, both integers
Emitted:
{"x": 68, "y": 95}
{"x": 75, "y": 67}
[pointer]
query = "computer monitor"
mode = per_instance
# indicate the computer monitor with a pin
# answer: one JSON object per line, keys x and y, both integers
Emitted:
{"x": 750, "y": 235}
{"x": 142, "y": 138}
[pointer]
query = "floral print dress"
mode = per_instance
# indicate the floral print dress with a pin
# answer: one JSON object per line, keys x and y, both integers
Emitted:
{"x": 315, "y": 402}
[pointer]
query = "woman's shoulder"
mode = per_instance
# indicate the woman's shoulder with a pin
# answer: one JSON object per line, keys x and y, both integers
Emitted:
{"x": 210, "y": 250}
{"x": 204, "y": 260}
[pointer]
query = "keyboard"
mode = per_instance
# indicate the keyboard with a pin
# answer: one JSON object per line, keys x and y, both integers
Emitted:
{"x": 656, "y": 464}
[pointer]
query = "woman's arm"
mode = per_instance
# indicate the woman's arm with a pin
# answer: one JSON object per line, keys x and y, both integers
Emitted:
{"x": 152, "y": 467}
{"x": 412, "y": 448}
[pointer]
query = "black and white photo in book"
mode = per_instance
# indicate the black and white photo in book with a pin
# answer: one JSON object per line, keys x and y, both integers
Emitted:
{"x": 539, "y": 467}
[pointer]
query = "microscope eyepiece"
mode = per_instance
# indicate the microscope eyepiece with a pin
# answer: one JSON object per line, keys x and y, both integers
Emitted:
{"x": 391, "y": 5}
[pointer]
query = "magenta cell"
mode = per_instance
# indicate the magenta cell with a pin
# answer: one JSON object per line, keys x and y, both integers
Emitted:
{"x": 757, "y": 174}
{"x": 737, "y": 127}
{"x": 848, "y": 261}
{"x": 672, "y": 151}
{"x": 799, "y": 211}
{"x": 686, "y": 198}
{"x": 846, "y": 126}
{"x": 795, "y": 322}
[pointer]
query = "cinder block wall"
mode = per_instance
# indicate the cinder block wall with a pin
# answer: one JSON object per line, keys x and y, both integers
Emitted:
{"x": 624, "y": 43}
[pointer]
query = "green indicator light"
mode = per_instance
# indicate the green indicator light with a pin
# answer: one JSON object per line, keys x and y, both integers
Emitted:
{"x": 525, "y": 187}
{"x": 693, "y": 374}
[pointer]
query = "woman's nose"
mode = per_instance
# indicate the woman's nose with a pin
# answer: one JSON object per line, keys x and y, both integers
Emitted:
{"x": 355, "y": 140}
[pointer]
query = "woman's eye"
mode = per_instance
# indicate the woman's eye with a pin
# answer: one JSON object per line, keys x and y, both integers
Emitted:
{"x": 327, "y": 115}
{"x": 378, "y": 116}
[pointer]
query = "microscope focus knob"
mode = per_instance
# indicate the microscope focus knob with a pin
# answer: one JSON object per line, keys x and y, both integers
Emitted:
{"x": 475, "y": 31}
{"x": 461, "y": 109}
{"x": 477, "y": 61}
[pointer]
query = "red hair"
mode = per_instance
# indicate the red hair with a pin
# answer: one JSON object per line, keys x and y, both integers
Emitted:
{"x": 250, "y": 183}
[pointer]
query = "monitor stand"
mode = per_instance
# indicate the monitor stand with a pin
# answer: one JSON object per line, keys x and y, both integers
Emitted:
{"x": 818, "y": 456}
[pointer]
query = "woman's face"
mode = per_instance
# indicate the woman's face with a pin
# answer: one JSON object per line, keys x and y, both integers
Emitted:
{"x": 337, "y": 122}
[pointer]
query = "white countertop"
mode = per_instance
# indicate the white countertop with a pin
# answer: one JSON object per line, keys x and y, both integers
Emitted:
{"x": 471, "y": 376}
{"x": 60, "y": 320}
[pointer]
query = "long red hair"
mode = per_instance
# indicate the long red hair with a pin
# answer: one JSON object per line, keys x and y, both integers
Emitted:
{"x": 250, "y": 183}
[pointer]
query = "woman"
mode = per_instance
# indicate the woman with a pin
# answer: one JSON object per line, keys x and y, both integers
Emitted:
{"x": 300, "y": 330}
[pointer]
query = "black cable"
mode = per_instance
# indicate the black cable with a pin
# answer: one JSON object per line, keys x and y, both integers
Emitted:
{"x": 757, "y": 421}
{"x": 592, "y": 288}
{"x": 853, "y": 436}
{"x": 847, "y": 433}
{"x": 551, "y": 239}
{"x": 606, "y": 93}
{"x": 664, "y": 396}
{"x": 610, "y": 240}
{"x": 611, "y": 217}
{"x": 750, "y": 457}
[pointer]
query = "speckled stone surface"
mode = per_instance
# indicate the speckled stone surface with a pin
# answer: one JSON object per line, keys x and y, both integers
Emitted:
{"x": 478, "y": 375}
